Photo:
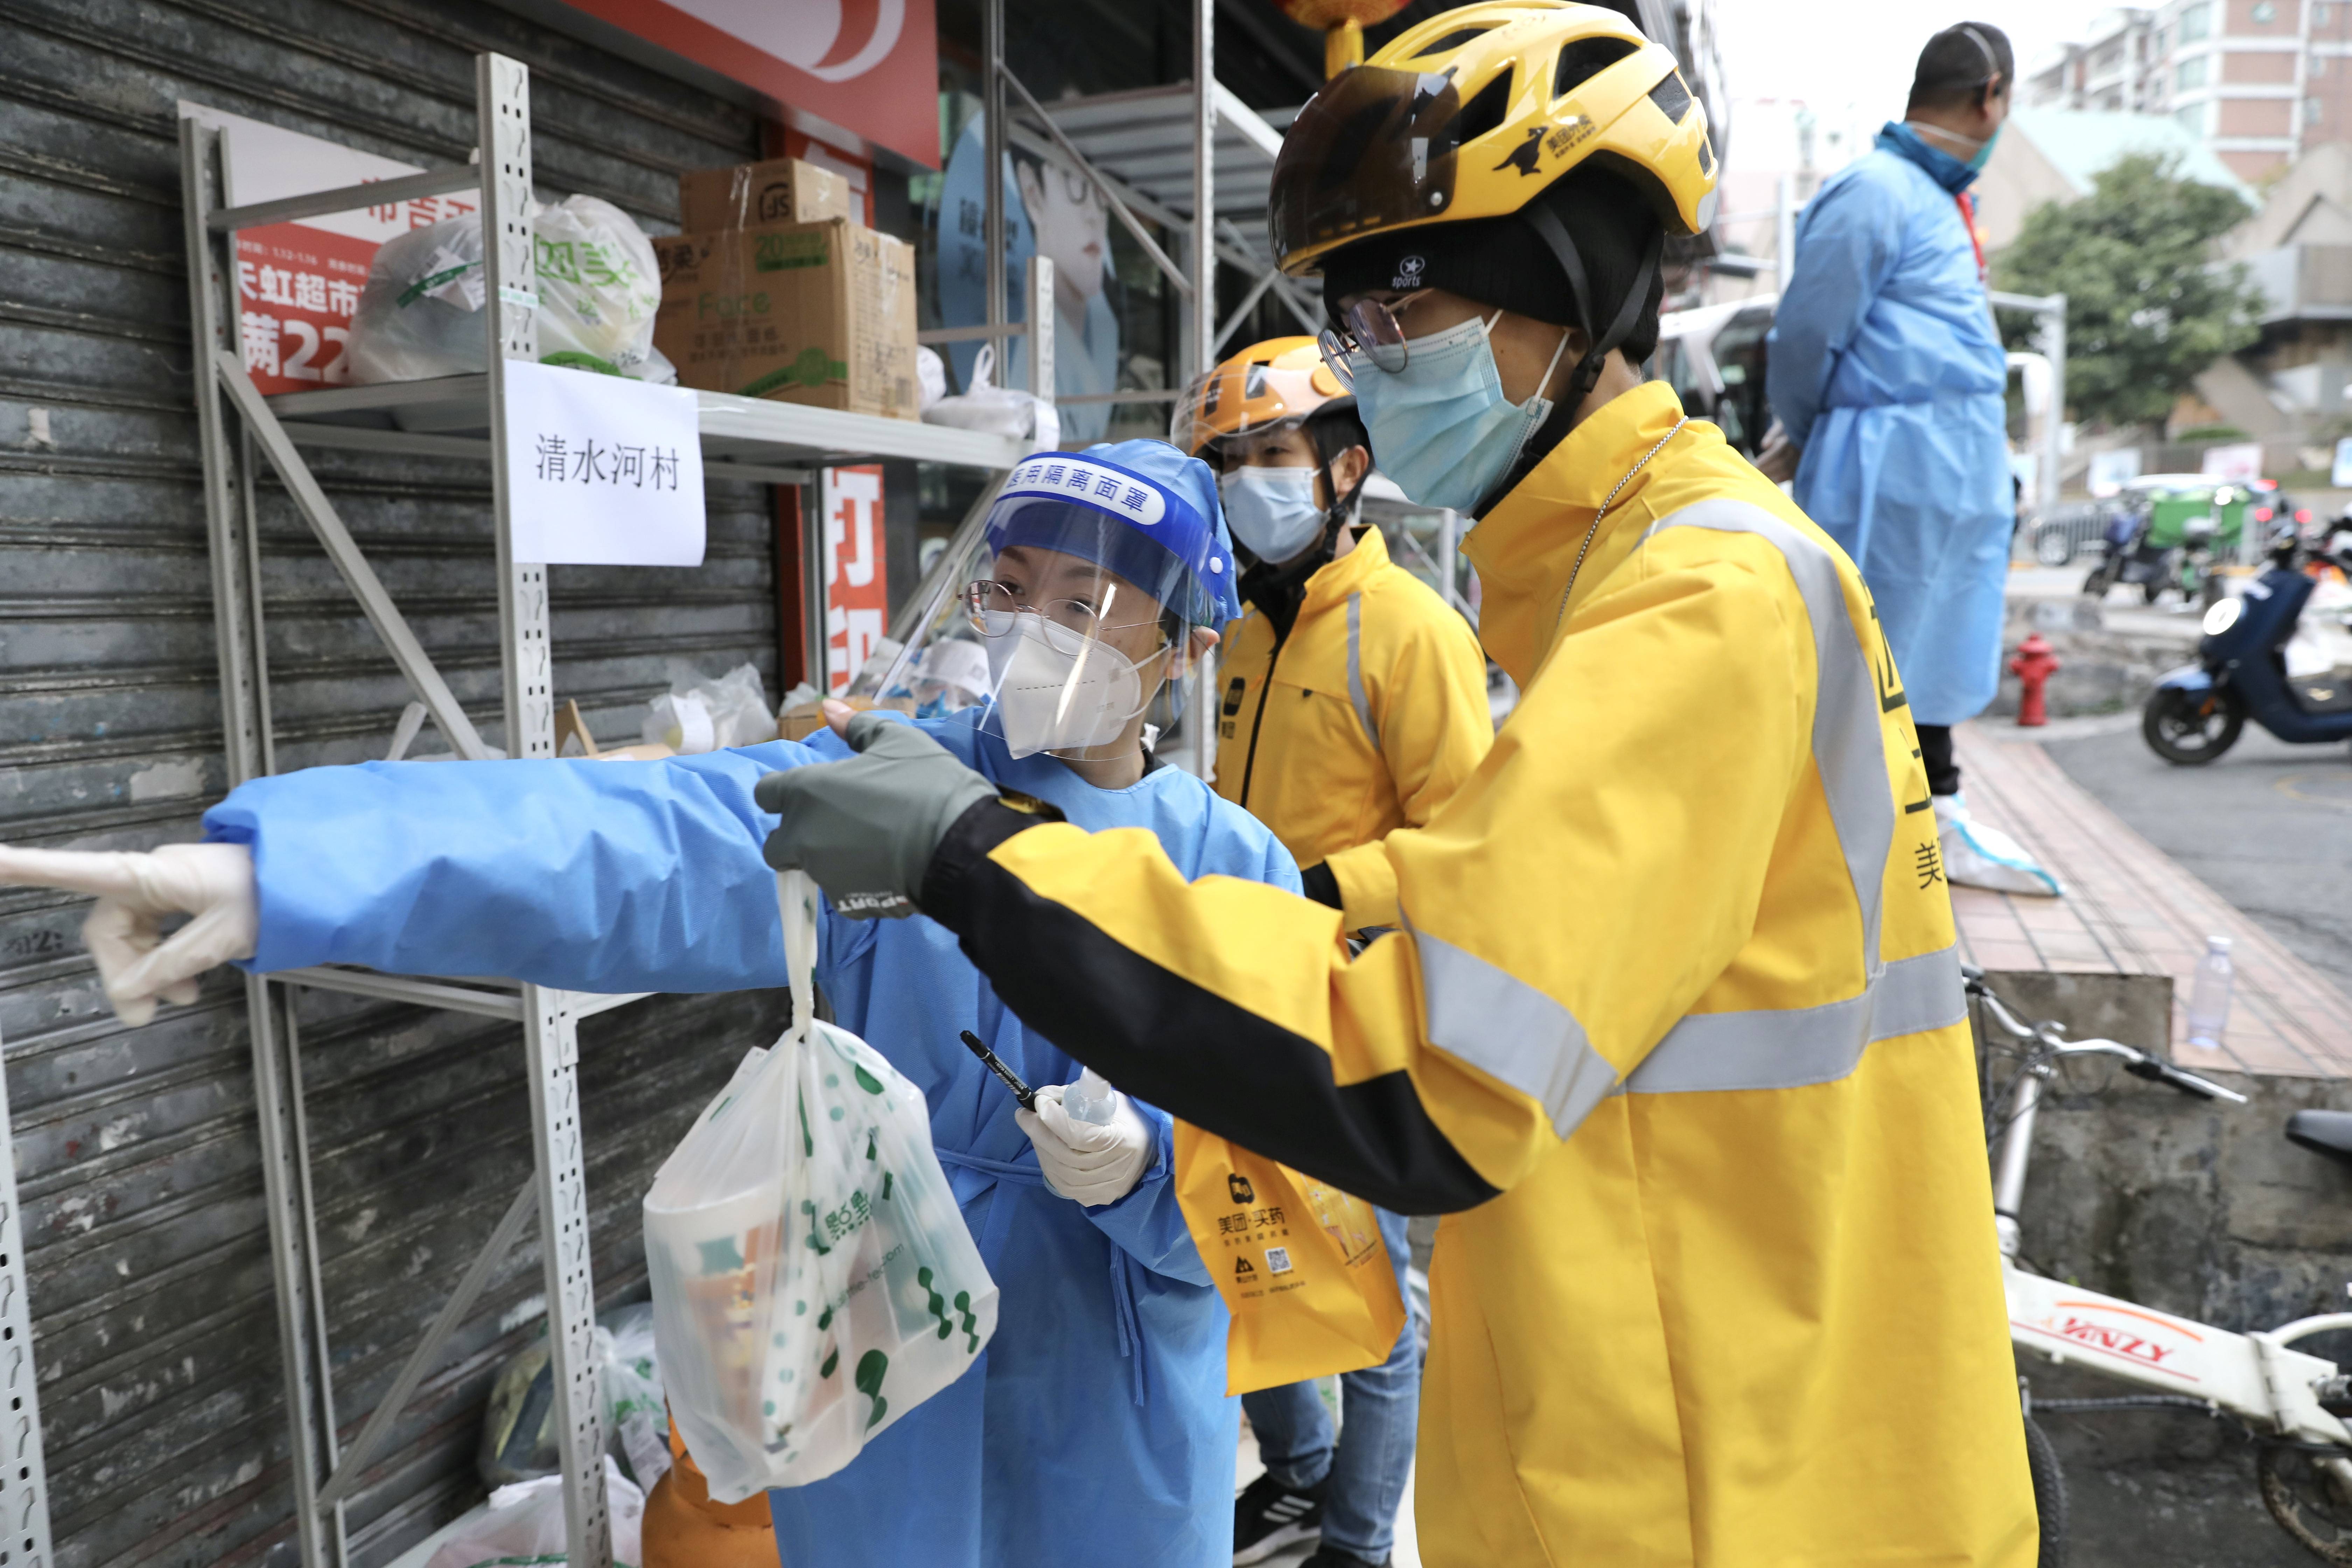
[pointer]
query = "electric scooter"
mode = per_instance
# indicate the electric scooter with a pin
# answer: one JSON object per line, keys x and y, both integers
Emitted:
{"x": 2198, "y": 712}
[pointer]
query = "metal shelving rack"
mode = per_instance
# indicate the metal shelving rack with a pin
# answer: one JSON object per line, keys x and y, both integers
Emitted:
{"x": 452, "y": 417}
{"x": 461, "y": 417}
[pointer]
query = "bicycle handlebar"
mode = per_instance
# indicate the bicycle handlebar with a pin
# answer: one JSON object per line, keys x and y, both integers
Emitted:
{"x": 2137, "y": 1062}
{"x": 2154, "y": 1071}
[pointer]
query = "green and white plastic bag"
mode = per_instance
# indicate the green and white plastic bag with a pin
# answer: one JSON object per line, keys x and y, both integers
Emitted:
{"x": 813, "y": 1277}
{"x": 420, "y": 313}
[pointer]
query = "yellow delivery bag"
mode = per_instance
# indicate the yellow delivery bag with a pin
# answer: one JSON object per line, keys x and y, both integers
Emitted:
{"x": 1299, "y": 1263}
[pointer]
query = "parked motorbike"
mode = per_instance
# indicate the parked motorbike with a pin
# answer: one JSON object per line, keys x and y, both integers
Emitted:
{"x": 2172, "y": 532}
{"x": 2197, "y": 712}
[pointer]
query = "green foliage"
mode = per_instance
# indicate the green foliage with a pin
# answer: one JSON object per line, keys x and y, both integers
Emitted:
{"x": 2205, "y": 434}
{"x": 2146, "y": 308}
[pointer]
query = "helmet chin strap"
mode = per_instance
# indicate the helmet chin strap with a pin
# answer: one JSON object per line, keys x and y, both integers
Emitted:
{"x": 1580, "y": 381}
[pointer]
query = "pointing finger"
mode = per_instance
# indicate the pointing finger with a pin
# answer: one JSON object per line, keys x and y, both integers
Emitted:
{"x": 105, "y": 873}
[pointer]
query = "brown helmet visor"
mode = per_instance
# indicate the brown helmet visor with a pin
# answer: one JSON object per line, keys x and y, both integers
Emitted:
{"x": 1373, "y": 149}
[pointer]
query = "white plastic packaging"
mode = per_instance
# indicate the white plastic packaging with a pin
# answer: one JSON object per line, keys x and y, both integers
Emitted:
{"x": 995, "y": 410}
{"x": 420, "y": 313}
{"x": 525, "y": 1524}
{"x": 2209, "y": 995}
{"x": 1091, "y": 1100}
{"x": 813, "y": 1277}
{"x": 698, "y": 714}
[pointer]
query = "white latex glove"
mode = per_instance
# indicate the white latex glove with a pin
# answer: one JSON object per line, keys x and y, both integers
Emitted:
{"x": 211, "y": 882}
{"x": 1094, "y": 1164}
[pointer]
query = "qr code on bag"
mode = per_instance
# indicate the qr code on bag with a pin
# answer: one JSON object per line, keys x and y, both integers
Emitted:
{"x": 1277, "y": 1260}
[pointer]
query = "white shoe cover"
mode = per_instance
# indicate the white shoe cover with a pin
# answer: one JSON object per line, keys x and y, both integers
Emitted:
{"x": 1976, "y": 856}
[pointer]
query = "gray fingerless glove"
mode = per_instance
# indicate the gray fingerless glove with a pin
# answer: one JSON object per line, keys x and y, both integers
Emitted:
{"x": 866, "y": 829}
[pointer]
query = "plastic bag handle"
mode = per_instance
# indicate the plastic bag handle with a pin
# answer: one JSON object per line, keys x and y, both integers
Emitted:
{"x": 796, "y": 898}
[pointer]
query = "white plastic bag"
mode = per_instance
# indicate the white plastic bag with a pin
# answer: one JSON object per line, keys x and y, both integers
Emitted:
{"x": 519, "y": 1431}
{"x": 698, "y": 714}
{"x": 995, "y": 410}
{"x": 421, "y": 312}
{"x": 525, "y": 1524}
{"x": 813, "y": 1277}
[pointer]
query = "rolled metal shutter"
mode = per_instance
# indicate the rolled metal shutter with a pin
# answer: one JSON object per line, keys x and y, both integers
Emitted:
{"x": 154, "y": 1324}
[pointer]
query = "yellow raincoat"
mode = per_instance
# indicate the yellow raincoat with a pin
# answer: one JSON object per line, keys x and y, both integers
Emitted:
{"x": 1362, "y": 720}
{"x": 1678, "y": 983}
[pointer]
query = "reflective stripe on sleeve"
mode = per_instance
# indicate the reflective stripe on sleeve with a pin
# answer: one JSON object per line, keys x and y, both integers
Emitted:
{"x": 1802, "y": 1046}
{"x": 1848, "y": 750}
{"x": 1363, "y": 704}
{"x": 1507, "y": 1029}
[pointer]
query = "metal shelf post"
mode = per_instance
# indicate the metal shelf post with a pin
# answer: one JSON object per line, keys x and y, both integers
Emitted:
{"x": 24, "y": 1476}
{"x": 551, "y": 1032}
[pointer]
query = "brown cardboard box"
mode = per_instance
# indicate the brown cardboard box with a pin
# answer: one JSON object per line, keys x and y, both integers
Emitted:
{"x": 821, "y": 313}
{"x": 753, "y": 196}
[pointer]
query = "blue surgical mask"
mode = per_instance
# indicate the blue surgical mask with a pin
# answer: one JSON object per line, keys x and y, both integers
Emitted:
{"x": 1442, "y": 428}
{"x": 1272, "y": 511}
{"x": 1984, "y": 149}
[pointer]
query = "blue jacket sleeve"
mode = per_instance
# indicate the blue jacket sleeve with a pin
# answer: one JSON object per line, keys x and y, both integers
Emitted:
{"x": 1148, "y": 1224}
{"x": 1848, "y": 241}
{"x": 589, "y": 876}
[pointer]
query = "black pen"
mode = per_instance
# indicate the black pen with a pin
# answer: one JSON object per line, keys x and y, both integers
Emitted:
{"x": 1021, "y": 1091}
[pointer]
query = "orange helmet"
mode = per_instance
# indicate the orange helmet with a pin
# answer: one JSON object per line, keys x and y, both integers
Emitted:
{"x": 1269, "y": 386}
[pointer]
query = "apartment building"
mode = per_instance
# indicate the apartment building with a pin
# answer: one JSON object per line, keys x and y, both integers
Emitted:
{"x": 2257, "y": 80}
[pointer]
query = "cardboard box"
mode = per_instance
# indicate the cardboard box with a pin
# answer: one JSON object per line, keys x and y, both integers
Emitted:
{"x": 820, "y": 313}
{"x": 755, "y": 195}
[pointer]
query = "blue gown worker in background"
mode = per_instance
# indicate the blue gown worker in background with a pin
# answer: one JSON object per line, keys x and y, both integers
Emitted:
{"x": 1099, "y": 1413}
{"x": 1887, "y": 377}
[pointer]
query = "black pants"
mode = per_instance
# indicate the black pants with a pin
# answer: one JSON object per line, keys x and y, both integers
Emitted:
{"x": 1936, "y": 751}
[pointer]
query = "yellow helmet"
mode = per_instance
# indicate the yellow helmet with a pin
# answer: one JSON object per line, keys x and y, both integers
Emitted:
{"x": 1267, "y": 385}
{"x": 1469, "y": 115}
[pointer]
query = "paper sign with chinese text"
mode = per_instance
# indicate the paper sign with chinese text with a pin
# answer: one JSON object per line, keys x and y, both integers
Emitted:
{"x": 298, "y": 283}
{"x": 857, "y": 585}
{"x": 603, "y": 470}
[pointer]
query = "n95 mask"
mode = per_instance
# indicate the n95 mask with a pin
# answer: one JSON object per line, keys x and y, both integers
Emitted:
{"x": 1057, "y": 690}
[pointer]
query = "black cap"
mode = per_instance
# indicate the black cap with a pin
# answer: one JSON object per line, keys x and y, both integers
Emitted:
{"x": 1504, "y": 263}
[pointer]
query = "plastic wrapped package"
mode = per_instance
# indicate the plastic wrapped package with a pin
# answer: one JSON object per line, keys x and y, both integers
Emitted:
{"x": 421, "y": 314}
{"x": 518, "y": 1429}
{"x": 812, "y": 1274}
{"x": 525, "y": 1524}
{"x": 699, "y": 714}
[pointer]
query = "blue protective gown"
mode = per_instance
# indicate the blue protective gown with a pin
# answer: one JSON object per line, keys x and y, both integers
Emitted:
{"x": 1097, "y": 1422}
{"x": 1884, "y": 366}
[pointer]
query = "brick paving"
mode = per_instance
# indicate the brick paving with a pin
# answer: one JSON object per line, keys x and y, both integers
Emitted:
{"x": 2130, "y": 908}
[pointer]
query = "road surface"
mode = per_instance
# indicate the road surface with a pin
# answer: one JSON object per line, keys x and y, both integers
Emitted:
{"x": 2269, "y": 827}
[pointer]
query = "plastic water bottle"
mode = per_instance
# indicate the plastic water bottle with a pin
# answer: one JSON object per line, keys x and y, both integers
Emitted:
{"x": 1089, "y": 1099}
{"x": 2209, "y": 996}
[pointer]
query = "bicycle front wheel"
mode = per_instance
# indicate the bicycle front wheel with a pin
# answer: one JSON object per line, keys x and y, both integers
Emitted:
{"x": 2049, "y": 1494}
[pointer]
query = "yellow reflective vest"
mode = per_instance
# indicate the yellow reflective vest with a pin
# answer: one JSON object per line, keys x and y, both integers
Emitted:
{"x": 1362, "y": 719}
{"x": 1674, "y": 1032}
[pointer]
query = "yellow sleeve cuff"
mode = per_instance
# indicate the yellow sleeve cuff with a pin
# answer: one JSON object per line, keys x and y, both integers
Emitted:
{"x": 1368, "y": 886}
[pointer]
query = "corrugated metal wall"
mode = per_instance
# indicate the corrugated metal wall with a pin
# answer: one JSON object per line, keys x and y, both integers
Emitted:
{"x": 137, "y": 1148}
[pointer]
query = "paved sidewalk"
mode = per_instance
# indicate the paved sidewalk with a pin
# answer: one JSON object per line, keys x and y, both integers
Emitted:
{"x": 2130, "y": 908}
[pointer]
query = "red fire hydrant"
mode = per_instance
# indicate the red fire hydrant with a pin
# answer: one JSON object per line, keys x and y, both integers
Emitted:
{"x": 2034, "y": 667}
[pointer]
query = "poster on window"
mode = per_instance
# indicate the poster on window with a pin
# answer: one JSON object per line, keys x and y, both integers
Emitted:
{"x": 857, "y": 586}
{"x": 298, "y": 283}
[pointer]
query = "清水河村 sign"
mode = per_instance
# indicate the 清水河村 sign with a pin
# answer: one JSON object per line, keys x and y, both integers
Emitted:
{"x": 602, "y": 470}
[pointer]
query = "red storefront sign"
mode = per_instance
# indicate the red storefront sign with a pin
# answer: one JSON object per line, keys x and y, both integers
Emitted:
{"x": 857, "y": 583}
{"x": 870, "y": 66}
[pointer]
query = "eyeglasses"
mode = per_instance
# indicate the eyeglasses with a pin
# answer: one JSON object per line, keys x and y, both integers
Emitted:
{"x": 993, "y": 609}
{"x": 1369, "y": 330}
